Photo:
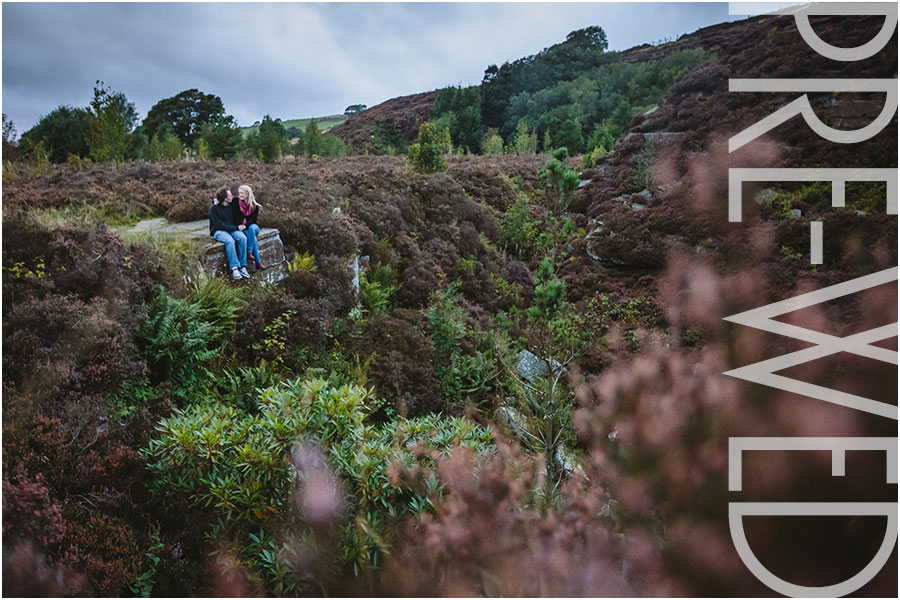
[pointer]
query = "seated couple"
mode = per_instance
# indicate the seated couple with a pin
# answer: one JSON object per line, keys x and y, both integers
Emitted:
{"x": 234, "y": 224}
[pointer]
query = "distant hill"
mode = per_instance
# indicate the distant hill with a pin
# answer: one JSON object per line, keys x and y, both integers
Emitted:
{"x": 324, "y": 123}
{"x": 395, "y": 122}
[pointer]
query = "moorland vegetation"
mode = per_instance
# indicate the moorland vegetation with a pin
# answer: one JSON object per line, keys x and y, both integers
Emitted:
{"x": 518, "y": 393}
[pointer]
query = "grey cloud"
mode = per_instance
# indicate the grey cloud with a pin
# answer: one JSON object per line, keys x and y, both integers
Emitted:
{"x": 292, "y": 60}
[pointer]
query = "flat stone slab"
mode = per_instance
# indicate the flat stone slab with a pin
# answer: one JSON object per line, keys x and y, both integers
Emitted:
{"x": 215, "y": 263}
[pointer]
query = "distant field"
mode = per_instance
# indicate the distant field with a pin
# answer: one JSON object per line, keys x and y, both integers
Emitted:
{"x": 325, "y": 123}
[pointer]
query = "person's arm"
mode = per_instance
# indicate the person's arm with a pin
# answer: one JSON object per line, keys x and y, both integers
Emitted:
{"x": 237, "y": 217}
{"x": 251, "y": 220}
{"x": 217, "y": 223}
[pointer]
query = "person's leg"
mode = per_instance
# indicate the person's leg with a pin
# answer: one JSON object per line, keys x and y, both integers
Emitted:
{"x": 252, "y": 245}
{"x": 241, "y": 241}
{"x": 225, "y": 238}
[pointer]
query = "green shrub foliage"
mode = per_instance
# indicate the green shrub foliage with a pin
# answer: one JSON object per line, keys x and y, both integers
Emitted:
{"x": 180, "y": 338}
{"x": 427, "y": 154}
{"x": 245, "y": 469}
{"x": 560, "y": 182}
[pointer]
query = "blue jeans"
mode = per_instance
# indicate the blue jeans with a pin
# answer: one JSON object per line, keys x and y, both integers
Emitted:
{"x": 237, "y": 257}
{"x": 252, "y": 231}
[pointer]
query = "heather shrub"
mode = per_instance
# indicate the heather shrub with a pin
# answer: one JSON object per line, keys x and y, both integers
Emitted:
{"x": 487, "y": 536}
{"x": 88, "y": 261}
{"x": 178, "y": 257}
{"x": 29, "y": 573}
{"x": 401, "y": 369}
{"x": 418, "y": 281}
{"x": 103, "y": 549}
{"x": 96, "y": 262}
{"x": 28, "y": 511}
{"x": 277, "y": 328}
{"x": 61, "y": 348}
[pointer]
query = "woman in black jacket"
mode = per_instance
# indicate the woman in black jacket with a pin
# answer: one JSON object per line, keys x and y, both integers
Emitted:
{"x": 245, "y": 212}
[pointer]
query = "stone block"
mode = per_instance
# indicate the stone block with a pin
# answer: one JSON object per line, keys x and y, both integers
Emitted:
{"x": 271, "y": 252}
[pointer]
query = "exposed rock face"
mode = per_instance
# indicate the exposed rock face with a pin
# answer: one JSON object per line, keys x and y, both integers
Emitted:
{"x": 271, "y": 252}
{"x": 213, "y": 260}
{"x": 530, "y": 366}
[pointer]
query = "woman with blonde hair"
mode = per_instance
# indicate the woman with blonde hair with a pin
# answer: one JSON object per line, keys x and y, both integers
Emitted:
{"x": 245, "y": 212}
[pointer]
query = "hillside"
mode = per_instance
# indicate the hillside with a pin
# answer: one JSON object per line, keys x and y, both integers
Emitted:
{"x": 323, "y": 123}
{"x": 395, "y": 122}
{"x": 453, "y": 379}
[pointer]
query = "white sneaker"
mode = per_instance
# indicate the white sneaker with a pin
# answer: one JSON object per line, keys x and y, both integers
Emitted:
{"x": 236, "y": 274}
{"x": 245, "y": 273}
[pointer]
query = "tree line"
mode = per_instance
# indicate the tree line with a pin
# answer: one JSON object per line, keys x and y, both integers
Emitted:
{"x": 575, "y": 94}
{"x": 190, "y": 124}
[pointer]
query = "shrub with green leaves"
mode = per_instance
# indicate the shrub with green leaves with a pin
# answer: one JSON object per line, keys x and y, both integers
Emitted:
{"x": 181, "y": 337}
{"x": 643, "y": 179}
{"x": 491, "y": 143}
{"x": 245, "y": 468}
{"x": 518, "y": 231}
{"x": 461, "y": 375}
{"x": 560, "y": 182}
{"x": 165, "y": 145}
{"x": 526, "y": 141}
{"x": 377, "y": 287}
{"x": 427, "y": 154}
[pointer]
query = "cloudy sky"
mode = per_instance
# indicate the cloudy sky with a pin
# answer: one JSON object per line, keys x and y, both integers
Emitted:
{"x": 293, "y": 60}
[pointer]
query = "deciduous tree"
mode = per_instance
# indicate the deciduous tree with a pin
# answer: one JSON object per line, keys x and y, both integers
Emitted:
{"x": 111, "y": 119}
{"x": 187, "y": 112}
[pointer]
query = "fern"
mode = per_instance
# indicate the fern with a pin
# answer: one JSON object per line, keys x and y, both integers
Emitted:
{"x": 181, "y": 337}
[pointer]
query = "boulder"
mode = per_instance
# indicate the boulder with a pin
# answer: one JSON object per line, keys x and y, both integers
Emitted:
{"x": 530, "y": 366}
{"x": 271, "y": 252}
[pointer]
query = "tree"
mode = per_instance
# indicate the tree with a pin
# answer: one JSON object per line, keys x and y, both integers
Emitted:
{"x": 525, "y": 142}
{"x": 331, "y": 145}
{"x": 111, "y": 119}
{"x": 353, "y": 109}
{"x": 312, "y": 139}
{"x": 137, "y": 143}
{"x": 64, "y": 131}
{"x": 9, "y": 137}
{"x": 186, "y": 112}
{"x": 492, "y": 143}
{"x": 547, "y": 143}
{"x": 223, "y": 137}
{"x": 165, "y": 145}
{"x": 560, "y": 180}
{"x": 271, "y": 133}
{"x": 459, "y": 109}
{"x": 426, "y": 155}
{"x": 569, "y": 136}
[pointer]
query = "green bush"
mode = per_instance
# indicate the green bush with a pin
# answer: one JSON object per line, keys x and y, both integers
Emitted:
{"x": 461, "y": 376}
{"x": 643, "y": 179}
{"x": 245, "y": 469}
{"x": 181, "y": 337}
{"x": 491, "y": 143}
{"x": 427, "y": 154}
{"x": 590, "y": 159}
{"x": 526, "y": 141}
{"x": 518, "y": 232}
{"x": 377, "y": 287}
{"x": 165, "y": 145}
{"x": 560, "y": 182}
